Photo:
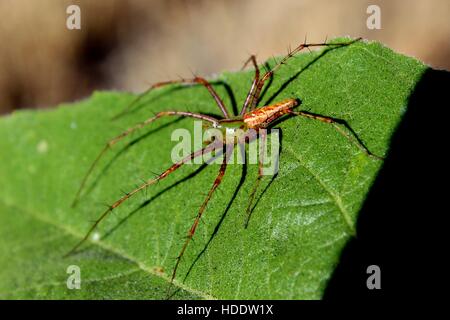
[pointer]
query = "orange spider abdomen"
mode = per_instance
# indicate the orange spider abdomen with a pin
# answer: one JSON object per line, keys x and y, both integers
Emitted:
{"x": 263, "y": 116}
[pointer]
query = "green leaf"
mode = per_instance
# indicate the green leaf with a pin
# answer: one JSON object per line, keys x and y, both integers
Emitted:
{"x": 298, "y": 229}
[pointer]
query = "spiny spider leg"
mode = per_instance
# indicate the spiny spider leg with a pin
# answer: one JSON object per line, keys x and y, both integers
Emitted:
{"x": 262, "y": 142}
{"x": 146, "y": 184}
{"x": 113, "y": 141}
{"x": 353, "y": 138}
{"x": 251, "y": 94}
{"x": 197, "y": 80}
{"x": 290, "y": 54}
{"x": 229, "y": 150}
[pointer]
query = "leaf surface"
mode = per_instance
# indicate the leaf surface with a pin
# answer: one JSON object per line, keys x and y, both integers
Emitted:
{"x": 298, "y": 228}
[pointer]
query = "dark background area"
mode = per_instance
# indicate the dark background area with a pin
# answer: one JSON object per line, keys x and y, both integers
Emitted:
{"x": 402, "y": 224}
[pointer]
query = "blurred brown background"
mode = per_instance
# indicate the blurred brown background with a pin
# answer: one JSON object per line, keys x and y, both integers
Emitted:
{"x": 128, "y": 44}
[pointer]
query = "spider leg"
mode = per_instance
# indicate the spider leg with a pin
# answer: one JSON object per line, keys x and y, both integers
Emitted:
{"x": 262, "y": 143}
{"x": 196, "y": 80}
{"x": 251, "y": 93}
{"x": 193, "y": 228}
{"x": 290, "y": 54}
{"x": 116, "y": 139}
{"x": 352, "y": 137}
{"x": 143, "y": 186}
